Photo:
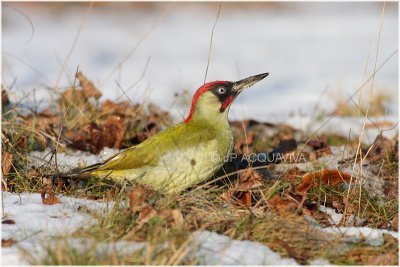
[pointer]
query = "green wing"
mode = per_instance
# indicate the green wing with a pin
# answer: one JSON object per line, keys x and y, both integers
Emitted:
{"x": 148, "y": 153}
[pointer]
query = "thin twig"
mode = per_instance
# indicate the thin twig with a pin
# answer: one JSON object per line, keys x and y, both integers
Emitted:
{"x": 211, "y": 40}
{"x": 355, "y": 93}
{"x": 359, "y": 151}
{"x": 74, "y": 44}
{"x": 130, "y": 53}
{"x": 61, "y": 125}
{"x": 48, "y": 82}
{"x": 124, "y": 92}
{"x": 28, "y": 19}
{"x": 136, "y": 82}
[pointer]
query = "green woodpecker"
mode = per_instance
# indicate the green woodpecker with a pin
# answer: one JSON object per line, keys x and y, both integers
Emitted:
{"x": 184, "y": 154}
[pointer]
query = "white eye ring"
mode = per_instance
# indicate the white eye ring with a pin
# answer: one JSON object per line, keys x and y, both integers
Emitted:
{"x": 221, "y": 90}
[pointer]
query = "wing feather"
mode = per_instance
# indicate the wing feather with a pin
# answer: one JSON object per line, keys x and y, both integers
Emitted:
{"x": 148, "y": 153}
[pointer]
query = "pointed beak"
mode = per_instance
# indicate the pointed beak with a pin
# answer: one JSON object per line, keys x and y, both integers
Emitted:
{"x": 239, "y": 86}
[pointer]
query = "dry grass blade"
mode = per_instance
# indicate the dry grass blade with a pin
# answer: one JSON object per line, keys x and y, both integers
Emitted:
{"x": 355, "y": 93}
{"x": 27, "y": 18}
{"x": 211, "y": 40}
{"x": 132, "y": 51}
{"x": 89, "y": 10}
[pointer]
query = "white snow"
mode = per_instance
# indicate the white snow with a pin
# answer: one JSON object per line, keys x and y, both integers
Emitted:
{"x": 33, "y": 218}
{"x": 306, "y": 47}
{"x": 346, "y": 126}
{"x": 320, "y": 262}
{"x": 37, "y": 224}
{"x": 70, "y": 158}
{"x": 335, "y": 218}
{"x": 373, "y": 237}
{"x": 35, "y": 221}
{"x": 216, "y": 249}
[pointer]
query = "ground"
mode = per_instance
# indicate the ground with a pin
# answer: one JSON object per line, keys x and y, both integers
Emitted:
{"x": 323, "y": 197}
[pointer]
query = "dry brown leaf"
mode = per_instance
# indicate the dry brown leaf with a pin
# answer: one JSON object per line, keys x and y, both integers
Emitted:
{"x": 44, "y": 121}
{"x": 6, "y": 162}
{"x": 282, "y": 206}
{"x": 93, "y": 137}
{"x": 76, "y": 108}
{"x": 172, "y": 215}
{"x": 7, "y": 221}
{"x": 137, "y": 197}
{"x": 4, "y": 98}
{"x": 87, "y": 86}
{"x": 381, "y": 124}
{"x": 383, "y": 259}
{"x": 293, "y": 252}
{"x": 6, "y": 243}
{"x": 249, "y": 179}
{"x": 113, "y": 131}
{"x": 51, "y": 199}
{"x": 320, "y": 148}
{"x": 293, "y": 174}
{"x": 122, "y": 109}
{"x": 246, "y": 198}
{"x": 329, "y": 177}
{"x": 244, "y": 144}
{"x": 382, "y": 148}
{"x": 395, "y": 222}
{"x": 146, "y": 213}
{"x": 338, "y": 205}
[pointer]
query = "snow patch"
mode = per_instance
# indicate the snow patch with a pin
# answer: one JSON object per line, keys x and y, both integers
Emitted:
{"x": 374, "y": 237}
{"x": 35, "y": 221}
{"x": 216, "y": 249}
{"x": 69, "y": 159}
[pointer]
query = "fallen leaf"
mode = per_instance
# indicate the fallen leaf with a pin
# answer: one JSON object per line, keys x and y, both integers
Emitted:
{"x": 293, "y": 174}
{"x": 249, "y": 179}
{"x": 87, "y": 86}
{"x": 380, "y": 124}
{"x": 137, "y": 197}
{"x": 4, "y": 98}
{"x": 6, "y": 243}
{"x": 246, "y": 198}
{"x": 395, "y": 222}
{"x": 122, "y": 109}
{"x": 383, "y": 259}
{"x": 145, "y": 214}
{"x": 6, "y": 162}
{"x": 77, "y": 108}
{"x": 293, "y": 252}
{"x": 173, "y": 215}
{"x": 7, "y": 221}
{"x": 320, "y": 148}
{"x": 51, "y": 199}
{"x": 113, "y": 132}
{"x": 282, "y": 206}
{"x": 243, "y": 145}
{"x": 94, "y": 137}
{"x": 382, "y": 148}
{"x": 338, "y": 205}
{"x": 329, "y": 177}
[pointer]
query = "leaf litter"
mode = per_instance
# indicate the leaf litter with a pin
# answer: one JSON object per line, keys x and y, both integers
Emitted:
{"x": 309, "y": 182}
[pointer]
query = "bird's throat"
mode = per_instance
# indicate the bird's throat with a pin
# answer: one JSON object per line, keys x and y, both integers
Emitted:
{"x": 226, "y": 103}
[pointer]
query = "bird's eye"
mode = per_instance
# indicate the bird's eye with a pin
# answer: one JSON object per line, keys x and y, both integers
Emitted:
{"x": 221, "y": 90}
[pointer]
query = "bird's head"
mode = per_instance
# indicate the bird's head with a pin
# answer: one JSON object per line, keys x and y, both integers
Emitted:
{"x": 213, "y": 99}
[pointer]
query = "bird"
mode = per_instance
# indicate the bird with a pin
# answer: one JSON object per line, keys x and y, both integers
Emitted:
{"x": 182, "y": 155}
